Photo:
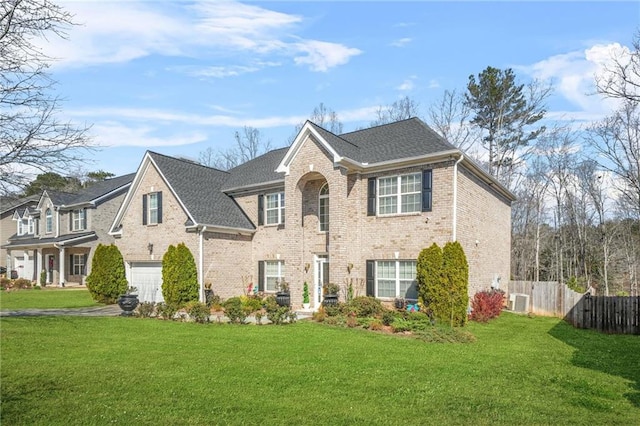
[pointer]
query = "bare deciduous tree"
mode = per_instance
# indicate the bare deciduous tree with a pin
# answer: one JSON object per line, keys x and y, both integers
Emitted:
{"x": 401, "y": 109}
{"x": 450, "y": 117}
{"x": 617, "y": 141}
{"x": 621, "y": 78}
{"x": 33, "y": 139}
{"x": 249, "y": 145}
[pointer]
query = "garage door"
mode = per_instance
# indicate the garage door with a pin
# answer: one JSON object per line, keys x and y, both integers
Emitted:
{"x": 147, "y": 277}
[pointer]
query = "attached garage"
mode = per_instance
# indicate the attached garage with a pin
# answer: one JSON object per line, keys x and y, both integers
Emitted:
{"x": 147, "y": 278}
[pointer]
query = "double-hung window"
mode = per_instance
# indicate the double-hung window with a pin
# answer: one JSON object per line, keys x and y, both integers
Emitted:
{"x": 396, "y": 278}
{"x": 78, "y": 264}
{"x": 400, "y": 194}
{"x": 273, "y": 274}
{"x": 79, "y": 220}
{"x": 153, "y": 208}
{"x": 48, "y": 217}
{"x": 407, "y": 193}
{"x": 274, "y": 208}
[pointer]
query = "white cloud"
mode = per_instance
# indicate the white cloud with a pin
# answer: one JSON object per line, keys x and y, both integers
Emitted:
{"x": 573, "y": 76}
{"x": 116, "y": 32}
{"x": 408, "y": 84}
{"x": 320, "y": 55}
{"x": 401, "y": 42}
{"x": 112, "y": 134}
{"x": 433, "y": 84}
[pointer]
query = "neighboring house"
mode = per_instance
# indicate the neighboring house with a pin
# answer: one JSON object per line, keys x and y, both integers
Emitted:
{"x": 355, "y": 208}
{"x": 8, "y": 208}
{"x": 59, "y": 234}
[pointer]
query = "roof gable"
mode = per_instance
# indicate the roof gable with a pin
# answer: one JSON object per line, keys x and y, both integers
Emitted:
{"x": 198, "y": 190}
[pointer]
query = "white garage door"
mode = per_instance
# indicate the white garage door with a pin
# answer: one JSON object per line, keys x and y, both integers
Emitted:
{"x": 147, "y": 277}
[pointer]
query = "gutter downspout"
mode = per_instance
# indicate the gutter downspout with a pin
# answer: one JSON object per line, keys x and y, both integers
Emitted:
{"x": 201, "y": 263}
{"x": 454, "y": 226}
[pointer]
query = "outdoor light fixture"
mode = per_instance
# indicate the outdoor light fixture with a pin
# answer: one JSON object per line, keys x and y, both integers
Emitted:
{"x": 150, "y": 248}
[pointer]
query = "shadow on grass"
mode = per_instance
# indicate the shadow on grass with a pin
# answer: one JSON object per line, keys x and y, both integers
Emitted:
{"x": 614, "y": 354}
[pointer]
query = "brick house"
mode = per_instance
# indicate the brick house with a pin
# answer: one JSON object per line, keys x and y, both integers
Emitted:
{"x": 9, "y": 208}
{"x": 359, "y": 209}
{"x": 60, "y": 232}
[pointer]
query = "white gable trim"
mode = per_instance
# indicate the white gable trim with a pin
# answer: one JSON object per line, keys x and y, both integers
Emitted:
{"x": 147, "y": 161}
{"x": 306, "y": 131}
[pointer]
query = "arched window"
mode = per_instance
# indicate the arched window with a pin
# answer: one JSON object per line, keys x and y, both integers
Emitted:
{"x": 323, "y": 208}
{"x": 48, "y": 221}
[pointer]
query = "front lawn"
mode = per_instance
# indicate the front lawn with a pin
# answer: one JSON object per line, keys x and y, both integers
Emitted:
{"x": 520, "y": 370}
{"x": 47, "y": 298}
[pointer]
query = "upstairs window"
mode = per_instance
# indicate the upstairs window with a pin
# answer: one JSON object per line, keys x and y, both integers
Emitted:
{"x": 400, "y": 194}
{"x": 31, "y": 226}
{"x": 323, "y": 208}
{"x": 79, "y": 220}
{"x": 152, "y": 208}
{"x": 48, "y": 218}
{"x": 271, "y": 209}
{"x": 22, "y": 226}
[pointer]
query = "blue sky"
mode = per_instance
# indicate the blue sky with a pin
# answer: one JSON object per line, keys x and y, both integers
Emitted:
{"x": 178, "y": 77}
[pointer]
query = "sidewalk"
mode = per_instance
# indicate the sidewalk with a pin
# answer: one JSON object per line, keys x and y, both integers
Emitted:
{"x": 99, "y": 311}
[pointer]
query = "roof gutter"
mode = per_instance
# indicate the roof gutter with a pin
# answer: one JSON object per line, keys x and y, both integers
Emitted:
{"x": 454, "y": 225}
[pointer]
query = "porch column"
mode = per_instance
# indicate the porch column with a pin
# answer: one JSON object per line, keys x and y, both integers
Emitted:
{"x": 61, "y": 264}
{"x": 39, "y": 265}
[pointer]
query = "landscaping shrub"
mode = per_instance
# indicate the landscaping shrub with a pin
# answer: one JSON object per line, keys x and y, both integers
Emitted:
{"x": 22, "y": 283}
{"x": 5, "y": 283}
{"x": 455, "y": 271}
{"x": 166, "y": 310}
{"x": 198, "y": 311}
{"x": 251, "y": 304}
{"x": 486, "y": 305}
{"x": 146, "y": 309}
{"x": 432, "y": 290}
{"x": 365, "y": 306}
{"x": 445, "y": 335}
{"x": 320, "y": 315}
{"x": 278, "y": 314}
{"x": 179, "y": 275}
{"x": 234, "y": 311}
{"x": 333, "y": 311}
{"x": 400, "y": 325}
{"x": 107, "y": 279}
{"x": 388, "y": 317}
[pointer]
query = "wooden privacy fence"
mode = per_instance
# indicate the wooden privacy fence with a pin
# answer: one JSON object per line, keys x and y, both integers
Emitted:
{"x": 608, "y": 314}
{"x": 547, "y": 298}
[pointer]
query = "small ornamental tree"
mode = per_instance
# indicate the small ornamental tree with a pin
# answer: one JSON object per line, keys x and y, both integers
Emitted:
{"x": 431, "y": 291}
{"x": 107, "y": 279}
{"x": 455, "y": 270}
{"x": 179, "y": 276}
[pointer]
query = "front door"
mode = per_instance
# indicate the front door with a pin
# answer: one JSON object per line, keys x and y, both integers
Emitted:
{"x": 51, "y": 260}
{"x": 322, "y": 278}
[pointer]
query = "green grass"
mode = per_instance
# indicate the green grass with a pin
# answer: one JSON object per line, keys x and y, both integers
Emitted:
{"x": 48, "y": 298}
{"x": 520, "y": 370}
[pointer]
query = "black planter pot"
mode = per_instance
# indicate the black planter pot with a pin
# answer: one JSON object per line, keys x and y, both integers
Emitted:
{"x": 283, "y": 298}
{"x": 128, "y": 302}
{"x": 330, "y": 300}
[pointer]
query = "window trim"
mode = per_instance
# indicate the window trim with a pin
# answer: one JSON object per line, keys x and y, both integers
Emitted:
{"x": 48, "y": 218}
{"x": 150, "y": 209}
{"x": 399, "y": 194}
{"x": 75, "y": 263}
{"x": 79, "y": 220}
{"x": 280, "y": 275}
{"x": 397, "y": 278}
{"x": 279, "y": 208}
{"x": 323, "y": 197}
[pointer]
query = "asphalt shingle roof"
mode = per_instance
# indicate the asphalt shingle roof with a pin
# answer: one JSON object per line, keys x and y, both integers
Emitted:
{"x": 10, "y": 203}
{"x": 101, "y": 188}
{"x": 200, "y": 190}
{"x": 261, "y": 169}
{"x": 394, "y": 141}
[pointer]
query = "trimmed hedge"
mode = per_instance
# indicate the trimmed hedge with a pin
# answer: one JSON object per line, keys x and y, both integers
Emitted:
{"x": 107, "y": 280}
{"x": 455, "y": 270}
{"x": 179, "y": 276}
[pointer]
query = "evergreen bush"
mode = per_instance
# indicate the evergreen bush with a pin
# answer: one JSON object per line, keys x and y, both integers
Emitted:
{"x": 432, "y": 290}
{"x": 107, "y": 279}
{"x": 179, "y": 276}
{"x": 455, "y": 270}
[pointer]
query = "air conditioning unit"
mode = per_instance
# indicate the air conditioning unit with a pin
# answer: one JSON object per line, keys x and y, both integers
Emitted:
{"x": 519, "y": 302}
